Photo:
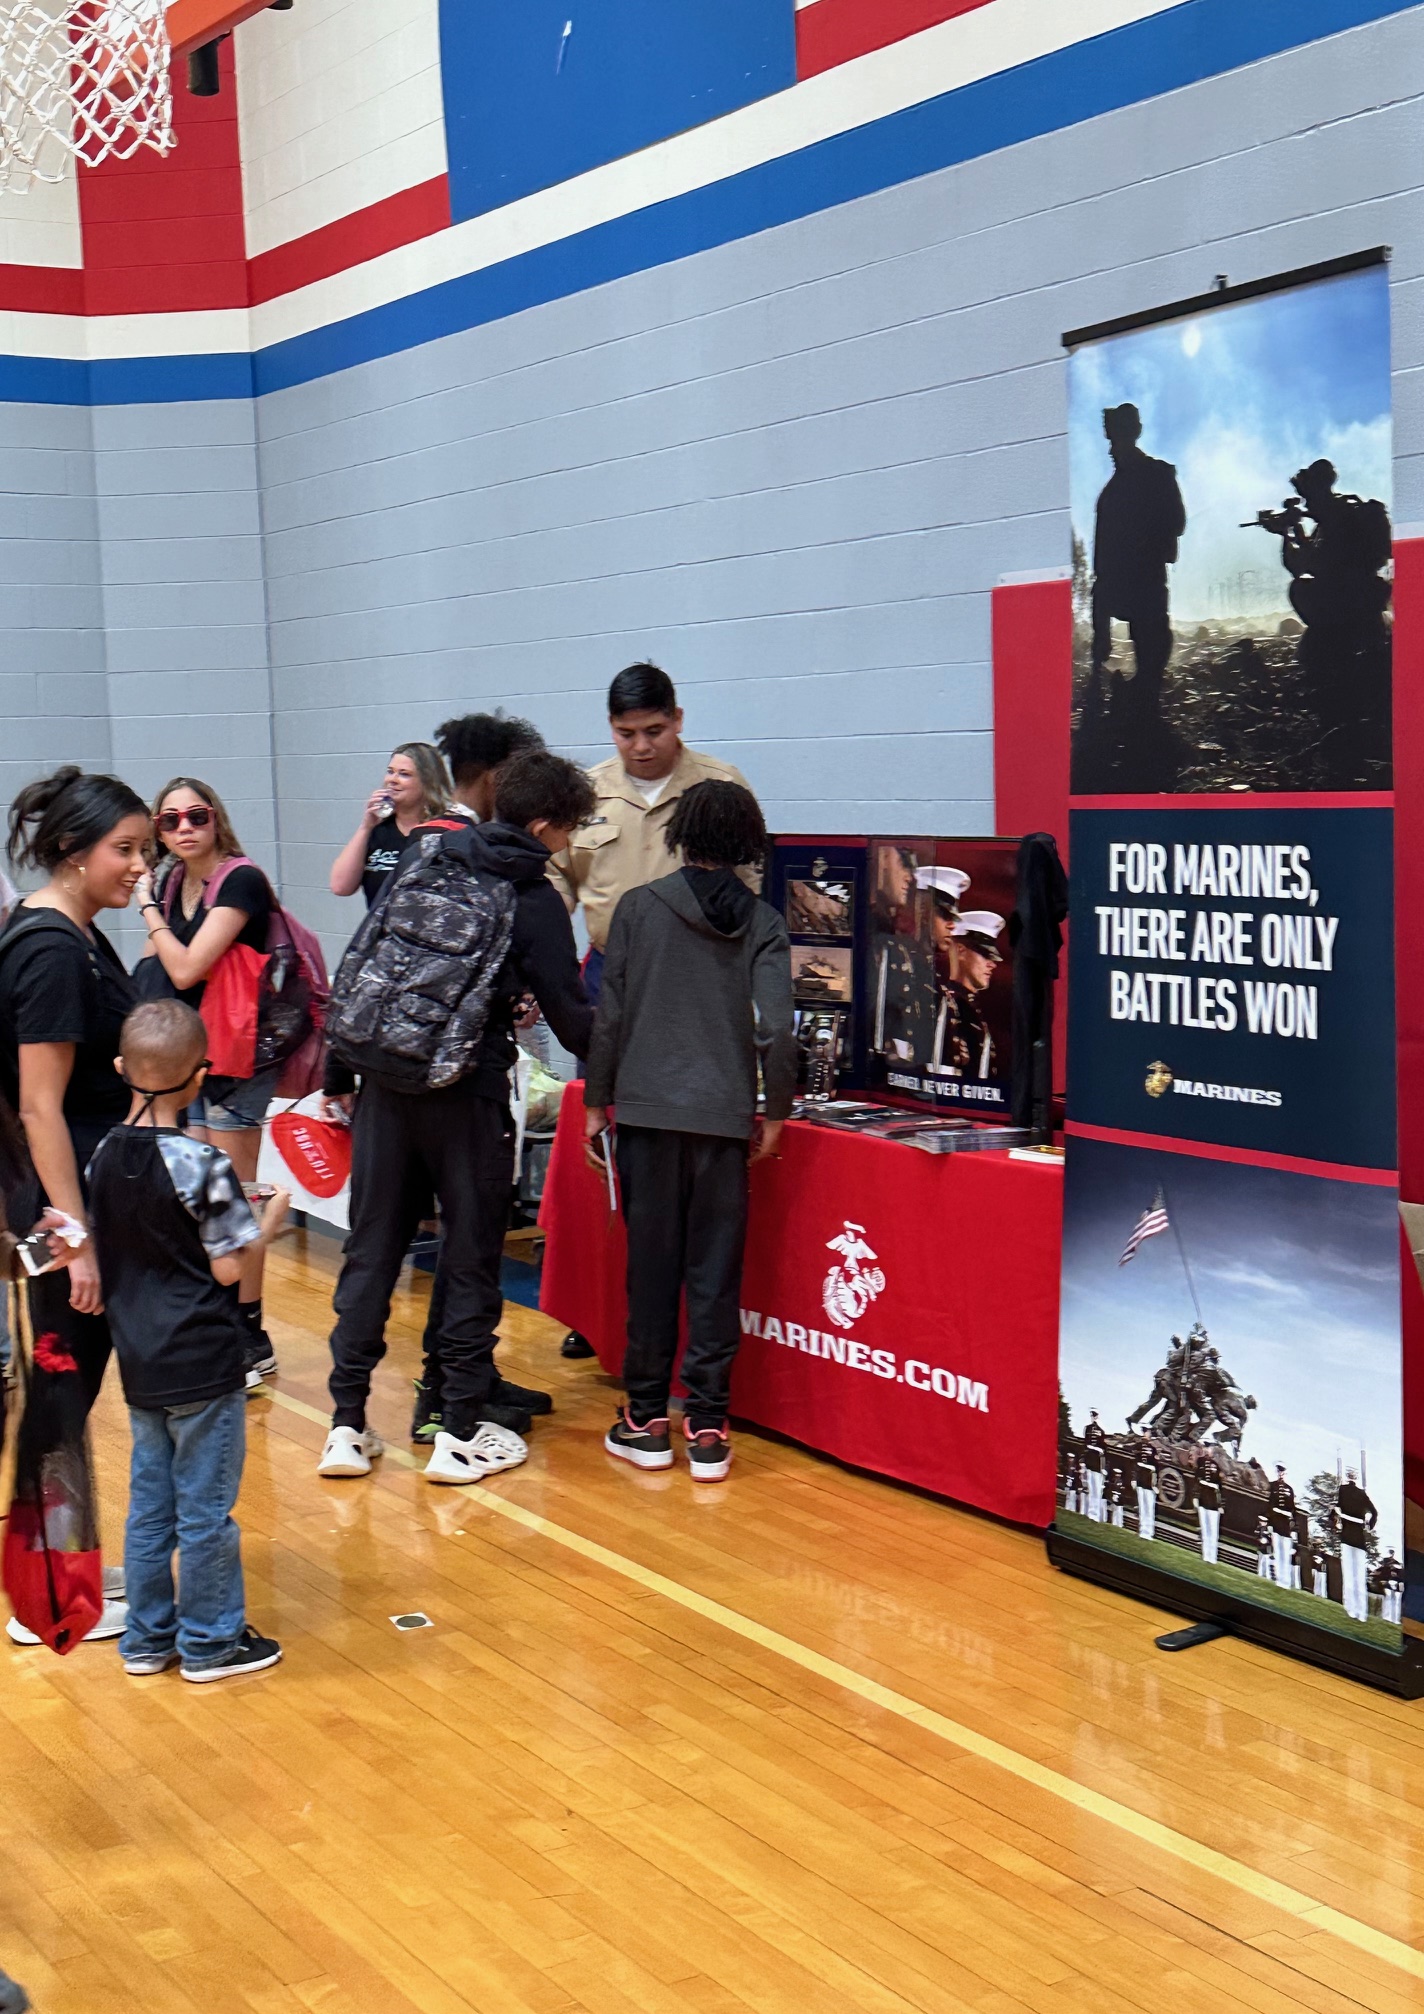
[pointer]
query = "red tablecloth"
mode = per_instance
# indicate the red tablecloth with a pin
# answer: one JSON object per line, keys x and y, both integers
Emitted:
{"x": 899, "y": 1309}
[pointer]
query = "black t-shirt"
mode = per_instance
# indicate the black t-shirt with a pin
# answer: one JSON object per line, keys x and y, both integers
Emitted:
{"x": 59, "y": 985}
{"x": 163, "y": 1206}
{"x": 385, "y": 843}
{"x": 244, "y": 888}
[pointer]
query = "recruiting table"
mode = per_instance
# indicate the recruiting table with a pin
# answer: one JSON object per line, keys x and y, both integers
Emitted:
{"x": 899, "y": 1309}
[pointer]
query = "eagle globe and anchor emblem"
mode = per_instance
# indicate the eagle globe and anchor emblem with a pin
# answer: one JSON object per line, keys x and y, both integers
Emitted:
{"x": 1159, "y": 1080}
{"x": 854, "y": 1281}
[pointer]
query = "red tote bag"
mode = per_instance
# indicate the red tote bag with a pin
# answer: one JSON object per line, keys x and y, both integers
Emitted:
{"x": 51, "y": 1567}
{"x": 229, "y": 1011}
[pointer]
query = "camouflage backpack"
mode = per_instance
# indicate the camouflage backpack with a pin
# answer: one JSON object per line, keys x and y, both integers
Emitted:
{"x": 412, "y": 995}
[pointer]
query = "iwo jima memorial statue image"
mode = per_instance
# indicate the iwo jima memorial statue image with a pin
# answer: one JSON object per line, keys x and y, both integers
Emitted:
{"x": 1179, "y": 1470}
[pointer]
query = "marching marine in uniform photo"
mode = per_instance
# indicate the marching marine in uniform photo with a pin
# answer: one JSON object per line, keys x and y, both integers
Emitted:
{"x": 1355, "y": 1517}
{"x": 1280, "y": 1512}
{"x": 1095, "y": 1466}
{"x": 1208, "y": 1482}
{"x": 1144, "y": 1476}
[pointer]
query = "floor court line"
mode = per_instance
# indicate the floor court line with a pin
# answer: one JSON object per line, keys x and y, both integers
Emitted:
{"x": 1191, "y": 1852}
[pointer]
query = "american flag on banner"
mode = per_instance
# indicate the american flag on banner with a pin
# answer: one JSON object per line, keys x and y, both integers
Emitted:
{"x": 1151, "y": 1224}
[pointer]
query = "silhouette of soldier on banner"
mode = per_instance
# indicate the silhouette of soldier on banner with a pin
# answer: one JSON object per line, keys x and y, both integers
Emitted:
{"x": 1335, "y": 547}
{"x": 1140, "y": 518}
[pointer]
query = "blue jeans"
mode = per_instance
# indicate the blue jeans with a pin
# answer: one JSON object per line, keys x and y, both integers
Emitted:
{"x": 187, "y": 1468}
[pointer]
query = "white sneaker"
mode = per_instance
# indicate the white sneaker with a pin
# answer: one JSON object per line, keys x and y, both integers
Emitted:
{"x": 113, "y": 1622}
{"x": 349, "y": 1453}
{"x": 489, "y": 1450}
{"x": 115, "y": 1584}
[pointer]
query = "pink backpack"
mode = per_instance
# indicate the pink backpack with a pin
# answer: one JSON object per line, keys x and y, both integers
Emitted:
{"x": 293, "y": 990}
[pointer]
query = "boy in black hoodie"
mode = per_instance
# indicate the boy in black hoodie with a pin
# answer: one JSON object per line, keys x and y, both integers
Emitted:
{"x": 458, "y": 1141}
{"x": 696, "y": 986}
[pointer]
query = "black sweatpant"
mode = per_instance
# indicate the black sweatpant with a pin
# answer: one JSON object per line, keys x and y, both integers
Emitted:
{"x": 685, "y": 1205}
{"x": 403, "y": 1146}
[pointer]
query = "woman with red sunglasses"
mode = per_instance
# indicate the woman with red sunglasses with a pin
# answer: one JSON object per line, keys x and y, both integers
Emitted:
{"x": 187, "y": 934}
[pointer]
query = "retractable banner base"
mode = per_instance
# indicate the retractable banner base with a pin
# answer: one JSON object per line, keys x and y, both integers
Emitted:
{"x": 1231, "y": 1396}
{"x": 1391, "y": 1672}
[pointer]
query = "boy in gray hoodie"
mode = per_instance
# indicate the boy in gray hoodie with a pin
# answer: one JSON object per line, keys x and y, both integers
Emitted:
{"x": 696, "y": 988}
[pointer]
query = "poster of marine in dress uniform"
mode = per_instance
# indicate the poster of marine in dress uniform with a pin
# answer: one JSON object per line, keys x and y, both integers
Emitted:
{"x": 939, "y": 992}
{"x": 1230, "y": 1346}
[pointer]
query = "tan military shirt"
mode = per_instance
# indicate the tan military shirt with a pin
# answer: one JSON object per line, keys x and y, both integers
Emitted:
{"x": 621, "y": 846}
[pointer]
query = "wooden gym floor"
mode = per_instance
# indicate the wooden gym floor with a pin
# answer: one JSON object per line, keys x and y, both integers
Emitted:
{"x": 800, "y": 1741}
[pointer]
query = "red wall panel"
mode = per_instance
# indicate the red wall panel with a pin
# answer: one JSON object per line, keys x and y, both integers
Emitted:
{"x": 832, "y": 31}
{"x": 164, "y": 232}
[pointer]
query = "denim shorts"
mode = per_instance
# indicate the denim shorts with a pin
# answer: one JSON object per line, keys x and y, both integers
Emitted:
{"x": 242, "y": 1106}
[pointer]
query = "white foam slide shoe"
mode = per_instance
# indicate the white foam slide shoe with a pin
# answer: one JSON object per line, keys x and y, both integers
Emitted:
{"x": 113, "y": 1622}
{"x": 489, "y": 1450}
{"x": 349, "y": 1452}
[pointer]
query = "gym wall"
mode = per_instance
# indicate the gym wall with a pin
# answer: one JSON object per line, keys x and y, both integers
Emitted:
{"x": 776, "y": 398}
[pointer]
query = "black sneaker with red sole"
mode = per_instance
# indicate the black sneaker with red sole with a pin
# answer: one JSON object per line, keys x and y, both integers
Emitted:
{"x": 647, "y": 1447}
{"x": 709, "y": 1453}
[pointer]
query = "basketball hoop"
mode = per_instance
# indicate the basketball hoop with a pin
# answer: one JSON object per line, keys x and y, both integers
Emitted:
{"x": 80, "y": 79}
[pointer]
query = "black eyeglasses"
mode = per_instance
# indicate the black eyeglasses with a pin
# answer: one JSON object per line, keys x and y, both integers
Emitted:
{"x": 198, "y": 816}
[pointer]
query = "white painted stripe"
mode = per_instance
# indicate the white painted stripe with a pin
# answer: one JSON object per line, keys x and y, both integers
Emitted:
{"x": 80, "y": 339}
{"x": 958, "y": 52}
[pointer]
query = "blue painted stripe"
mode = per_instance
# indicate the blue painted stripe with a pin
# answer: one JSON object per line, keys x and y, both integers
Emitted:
{"x": 159, "y": 381}
{"x": 1166, "y": 52}
{"x": 44, "y": 381}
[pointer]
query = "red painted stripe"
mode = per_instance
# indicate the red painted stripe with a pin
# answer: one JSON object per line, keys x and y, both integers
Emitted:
{"x": 1243, "y": 800}
{"x": 381, "y": 227}
{"x": 833, "y": 31}
{"x": 42, "y": 290}
{"x": 1201, "y": 1150}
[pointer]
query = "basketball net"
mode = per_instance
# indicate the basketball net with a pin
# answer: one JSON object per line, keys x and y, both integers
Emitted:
{"x": 80, "y": 79}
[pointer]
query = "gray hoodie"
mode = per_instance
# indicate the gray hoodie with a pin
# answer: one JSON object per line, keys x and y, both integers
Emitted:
{"x": 685, "y": 1010}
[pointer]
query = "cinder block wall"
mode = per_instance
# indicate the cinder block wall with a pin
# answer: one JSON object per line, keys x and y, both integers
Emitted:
{"x": 54, "y": 703}
{"x": 791, "y": 469}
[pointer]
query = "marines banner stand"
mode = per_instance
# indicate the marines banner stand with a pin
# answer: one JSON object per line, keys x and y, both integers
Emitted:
{"x": 1231, "y": 1410}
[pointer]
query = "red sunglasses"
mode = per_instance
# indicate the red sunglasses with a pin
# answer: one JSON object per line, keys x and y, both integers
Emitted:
{"x": 198, "y": 816}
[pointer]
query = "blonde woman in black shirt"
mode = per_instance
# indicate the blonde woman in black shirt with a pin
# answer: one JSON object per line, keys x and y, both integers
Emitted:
{"x": 416, "y": 786}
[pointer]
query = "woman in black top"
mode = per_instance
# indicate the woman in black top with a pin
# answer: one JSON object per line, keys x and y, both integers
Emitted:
{"x": 194, "y": 836}
{"x": 63, "y": 997}
{"x": 416, "y": 787}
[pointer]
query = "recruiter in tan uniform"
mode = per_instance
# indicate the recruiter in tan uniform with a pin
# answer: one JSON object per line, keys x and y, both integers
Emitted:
{"x": 623, "y": 845}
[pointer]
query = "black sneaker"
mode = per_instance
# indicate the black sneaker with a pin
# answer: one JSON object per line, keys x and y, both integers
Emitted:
{"x": 709, "y": 1453}
{"x": 259, "y": 1359}
{"x": 250, "y": 1653}
{"x": 575, "y": 1346}
{"x": 515, "y": 1419}
{"x": 504, "y": 1393}
{"x": 427, "y": 1419}
{"x": 646, "y": 1447}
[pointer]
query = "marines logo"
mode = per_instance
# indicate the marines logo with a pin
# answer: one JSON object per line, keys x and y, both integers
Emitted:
{"x": 1159, "y": 1080}
{"x": 851, "y": 1286}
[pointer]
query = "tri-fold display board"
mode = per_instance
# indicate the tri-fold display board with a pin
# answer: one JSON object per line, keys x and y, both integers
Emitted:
{"x": 901, "y": 965}
{"x": 1231, "y": 1438}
